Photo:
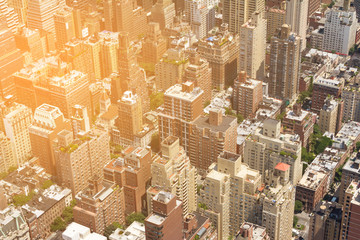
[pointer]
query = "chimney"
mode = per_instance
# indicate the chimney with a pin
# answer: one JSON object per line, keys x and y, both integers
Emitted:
{"x": 215, "y": 117}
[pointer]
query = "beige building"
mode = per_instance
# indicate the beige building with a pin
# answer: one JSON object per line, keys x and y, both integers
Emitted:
{"x": 170, "y": 70}
{"x": 233, "y": 193}
{"x": 275, "y": 19}
{"x": 64, "y": 26}
{"x": 20, "y": 7}
{"x": 78, "y": 159}
{"x": 7, "y": 153}
{"x": 278, "y": 203}
{"x": 15, "y": 122}
{"x": 284, "y": 64}
{"x": 237, "y": 12}
{"x": 253, "y": 46}
{"x": 247, "y": 95}
{"x": 215, "y": 200}
{"x": 267, "y": 147}
{"x": 163, "y": 12}
{"x": 297, "y": 18}
{"x": 173, "y": 172}
{"x": 331, "y": 116}
{"x": 129, "y": 123}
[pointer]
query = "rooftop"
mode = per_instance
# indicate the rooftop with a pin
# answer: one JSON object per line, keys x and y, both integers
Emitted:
{"x": 203, "y": 122}
{"x": 176, "y": 91}
{"x": 136, "y": 231}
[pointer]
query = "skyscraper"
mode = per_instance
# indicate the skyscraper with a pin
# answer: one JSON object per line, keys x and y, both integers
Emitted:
{"x": 198, "y": 71}
{"x": 170, "y": 70}
{"x": 7, "y": 153}
{"x": 11, "y": 17}
{"x": 132, "y": 76}
{"x": 129, "y": 123}
{"x": 167, "y": 208}
{"x": 16, "y": 119}
{"x": 173, "y": 172}
{"x": 253, "y": 46}
{"x": 11, "y": 60}
{"x": 41, "y": 14}
{"x": 64, "y": 26}
{"x": 99, "y": 204}
{"x": 20, "y": 7}
{"x": 78, "y": 159}
{"x": 297, "y": 18}
{"x": 247, "y": 95}
{"x": 163, "y": 12}
{"x": 284, "y": 64}
{"x": 237, "y": 12}
{"x": 209, "y": 136}
{"x": 267, "y": 147}
{"x": 201, "y": 16}
{"x": 47, "y": 123}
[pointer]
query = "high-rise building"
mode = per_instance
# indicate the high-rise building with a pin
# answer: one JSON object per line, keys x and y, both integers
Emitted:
{"x": 314, "y": 5}
{"x": 201, "y": 17}
{"x": 41, "y": 14}
{"x": 170, "y": 70}
{"x": 129, "y": 122}
{"x": 284, "y": 64}
{"x": 351, "y": 173}
{"x": 275, "y": 19}
{"x": 300, "y": 122}
{"x": 215, "y": 195}
{"x": 21, "y": 8}
{"x": 351, "y": 97}
{"x": 198, "y": 71}
{"x": 267, "y": 147}
{"x": 351, "y": 211}
{"x": 63, "y": 90}
{"x": 278, "y": 203}
{"x": 31, "y": 41}
{"x": 11, "y": 59}
{"x": 48, "y": 121}
{"x": 339, "y": 30}
{"x": 325, "y": 221}
{"x": 173, "y": 173}
{"x": 253, "y": 46}
{"x": 221, "y": 50}
{"x": 78, "y": 159}
{"x": 131, "y": 74}
{"x": 96, "y": 51}
{"x": 7, "y": 153}
{"x": 297, "y": 18}
{"x": 16, "y": 119}
{"x": 247, "y": 95}
{"x": 163, "y": 12}
{"x": 237, "y": 12}
{"x": 132, "y": 173}
{"x": 124, "y": 15}
{"x": 182, "y": 105}
{"x": 322, "y": 88}
{"x": 99, "y": 205}
{"x": 80, "y": 120}
{"x": 11, "y": 17}
{"x": 211, "y": 135}
{"x": 109, "y": 47}
{"x": 331, "y": 116}
{"x": 167, "y": 218}
{"x": 153, "y": 47}
{"x": 64, "y": 26}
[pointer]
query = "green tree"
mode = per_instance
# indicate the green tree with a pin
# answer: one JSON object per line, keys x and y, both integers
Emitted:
{"x": 22, "y": 199}
{"x": 357, "y": 146}
{"x": 295, "y": 221}
{"x": 58, "y": 225}
{"x": 155, "y": 142}
{"x": 139, "y": 217}
{"x": 46, "y": 184}
{"x": 111, "y": 228}
{"x": 298, "y": 206}
{"x": 240, "y": 118}
{"x": 338, "y": 174}
{"x": 156, "y": 100}
{"x": 207, "y": 103}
